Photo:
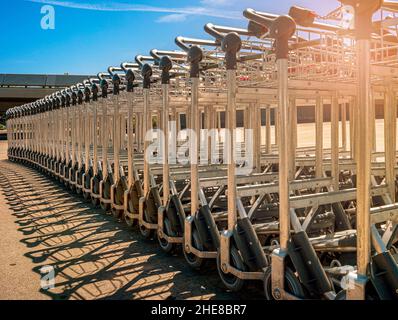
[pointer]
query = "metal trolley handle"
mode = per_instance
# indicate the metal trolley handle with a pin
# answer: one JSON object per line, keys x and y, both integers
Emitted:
{"x": 281, "y": 28}
{"x": 230, "y": 43}
{"x": 164, "y": 59}
{"x": 177, "y": 56}
{"x": 146, "y": 69}
{"x": 116, "y": 78}
{"x": 364, "y": 10}
{"x": 185, "y": 43}
{"x": 141, "y": 59}
{"x": 130, "y": 70}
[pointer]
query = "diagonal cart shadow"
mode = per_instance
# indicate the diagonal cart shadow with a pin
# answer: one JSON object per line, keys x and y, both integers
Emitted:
{"x": 93, "y": 255}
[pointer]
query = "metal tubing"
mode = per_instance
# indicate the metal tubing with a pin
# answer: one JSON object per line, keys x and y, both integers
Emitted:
{"x": 344, "y": 126}
{"x": 67, "y": 135}
{"x": 335, "y": 141}
{"x": 130, "y": 146}
{"x": 165, "y": 156}
{"x": 352, "y": 129}
{"x": 230, "y": 147}
{"x": 105, "y": 140}
{"x": 256, "y": 152}
{"x": 319, "y": 137}
{"x": 284, "y": 214}
{"x": 146, "y": 126}
{"x": 194, "y": 145}
{"x": 364, "y": 142}
{"x": 95, "y": 139}
{"x": 268, "y": 130}
{"x": 116, "y": 138}
{"x": 390, "y": 116}
{"x": 293, "y": 137}
{"x": 87, "y": 138}
{"x": 73, "y": 136}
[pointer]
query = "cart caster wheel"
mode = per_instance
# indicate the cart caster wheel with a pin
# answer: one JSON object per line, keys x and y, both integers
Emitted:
{"x": 86, "y": 196}
{"x": 342, "y": 295}
{"x": 164, "y": 244}
{"x": 147, "y": 233}
{"x": 194, "y": 261}
{"x": 230, "y": 281}
{"x": 105, "y": 206}
{"x": 292, "y": 284}
{"x": 117, "y": 214}
{"x": 131, "y": 222}
{"x": 95, "y": 202}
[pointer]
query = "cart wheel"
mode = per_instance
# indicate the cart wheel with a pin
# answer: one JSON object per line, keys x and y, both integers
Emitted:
{"x": 95, "y": 202}
{"x": 105, "y": 206}
{"x": 147, "y": 233}
{"x": 342, "y": 295}
{"x": 86, "y": 196}
{"x": 292, "y": 284}
{"x": 164, "y": 244}
{"x": 117, "y": 214}
{"x": 72, "y": 188}
{"x": 194, "y": 261}
{"x": 230, "y": 281}
{"x": 131, "y": 222}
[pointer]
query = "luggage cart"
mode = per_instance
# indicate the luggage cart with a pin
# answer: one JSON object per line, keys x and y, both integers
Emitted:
{"x": 248, "y": 250}
{"x": 90, "y": 135}
{"x": 276, "y": 272}
{"x": 80, "y": 139}
{"x": 202, "y": 233}
{"x": 306, "y": 214}
{"x": 107, "y": 175}
{"x": 98, "y": 122}
{"x": 198, "y": 239}
{"x": 133, "y": 189}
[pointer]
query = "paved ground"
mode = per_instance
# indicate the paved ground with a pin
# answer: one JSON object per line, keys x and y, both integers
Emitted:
{"x": 93, "y": 256}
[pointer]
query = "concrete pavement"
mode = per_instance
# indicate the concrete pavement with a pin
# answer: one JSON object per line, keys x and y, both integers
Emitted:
{"x": 92, "y": 255}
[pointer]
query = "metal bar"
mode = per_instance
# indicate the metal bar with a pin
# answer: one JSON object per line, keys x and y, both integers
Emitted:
{"x": 268, "y": 130}
{"x": 130, "y": 139}
{"x": 390, "y": 116}
{"x": 284, "y": 214}
{"x": 364, "y": 142}
{"x": 105, "y": 140}
{"x": 116, "y": 138}
{"x": 319, "y": 137}
{"x": 165, "y": 155}
{"x": 229, "y": 145}
{"x": 95, "y": 138}
{"x": 344, "y": 125}
{"x": 147, "y": 123}
{"x": 194, "y": 146}
{"x": 335, "y": 141}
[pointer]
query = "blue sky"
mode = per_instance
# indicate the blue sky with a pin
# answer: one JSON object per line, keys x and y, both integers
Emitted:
{"x": 90, "y": 35}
